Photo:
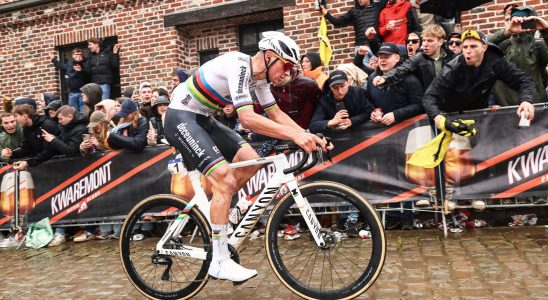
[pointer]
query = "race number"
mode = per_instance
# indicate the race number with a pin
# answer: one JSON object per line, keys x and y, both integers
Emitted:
{"x": 176, "y": 166}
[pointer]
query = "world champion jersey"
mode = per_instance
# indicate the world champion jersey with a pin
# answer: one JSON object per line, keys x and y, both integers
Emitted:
{"x": 227, "y": 79}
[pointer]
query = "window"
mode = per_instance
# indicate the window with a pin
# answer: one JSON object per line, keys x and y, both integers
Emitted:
{"x": 65, "y": 54}
{"x": 250, "y": 34}
{"x": 208, "y": 55}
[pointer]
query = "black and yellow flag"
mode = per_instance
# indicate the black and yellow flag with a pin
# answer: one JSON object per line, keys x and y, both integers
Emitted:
{"x": 325, "y": 44}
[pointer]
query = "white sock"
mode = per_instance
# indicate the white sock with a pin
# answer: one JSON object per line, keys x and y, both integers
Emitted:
{"x": 219, "y": 240}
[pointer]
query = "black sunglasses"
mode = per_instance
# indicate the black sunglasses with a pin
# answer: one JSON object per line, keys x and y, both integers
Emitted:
{"x": 413, "y": 41}
{"x": 458, "y": 43}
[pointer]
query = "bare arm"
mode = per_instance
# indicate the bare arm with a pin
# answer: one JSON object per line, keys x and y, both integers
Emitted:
{"x": 265, "y": 126}
{"x": 280, "y": 117}
{"x": 262, "y": 125}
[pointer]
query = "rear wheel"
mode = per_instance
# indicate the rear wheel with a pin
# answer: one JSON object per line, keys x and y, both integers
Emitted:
{"x": 164, "y": 276}
{"x": 348, "y": 265}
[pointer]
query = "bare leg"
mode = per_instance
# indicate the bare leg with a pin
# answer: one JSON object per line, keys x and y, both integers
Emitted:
{"x": 224, "y": 186}
{"x": 243, "y": 174}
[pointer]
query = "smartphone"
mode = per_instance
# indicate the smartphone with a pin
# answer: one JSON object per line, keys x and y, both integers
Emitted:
{"x": 340, "y": 106}
{"x": 86, "y": 137}
{"x": 529, "y": 24}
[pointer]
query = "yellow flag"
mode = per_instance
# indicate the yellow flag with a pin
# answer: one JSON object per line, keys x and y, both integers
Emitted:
{"x": 433, "y": 153}
{"x": 325, "y": 44}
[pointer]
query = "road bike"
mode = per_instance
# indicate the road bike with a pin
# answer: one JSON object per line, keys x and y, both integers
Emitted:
{"x": 326, "y": 262}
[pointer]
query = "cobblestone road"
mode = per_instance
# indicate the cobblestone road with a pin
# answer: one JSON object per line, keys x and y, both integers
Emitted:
{"x": 490, "y": 263}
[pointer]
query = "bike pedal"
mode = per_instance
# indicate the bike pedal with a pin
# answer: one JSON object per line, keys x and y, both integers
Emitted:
{"x": 236, "y": 283}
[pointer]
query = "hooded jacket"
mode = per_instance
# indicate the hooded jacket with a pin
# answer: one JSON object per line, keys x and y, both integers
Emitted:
{"x": 461, "y": 87}
{"x": 33, "y": 143}
{"x": 94, "y": 93}
{"x": 528, "y": 55}
{"x": 136, "y": 139}
{"x": 297, "y": 99}
{"x": 362, "y": 17}
{"x": 399, "y": 13}
{"x": 355, "y": 102}
{"x": 102, "y": 66}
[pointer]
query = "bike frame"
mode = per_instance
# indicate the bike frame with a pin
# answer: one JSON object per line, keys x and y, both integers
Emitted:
{"x": 253, "y": 214}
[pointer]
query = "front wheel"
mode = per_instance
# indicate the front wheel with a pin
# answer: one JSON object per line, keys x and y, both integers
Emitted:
{"x": 164, "y": 276}
{"x": 356, "y": 247}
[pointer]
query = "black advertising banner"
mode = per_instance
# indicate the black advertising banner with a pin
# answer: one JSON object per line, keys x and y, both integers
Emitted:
{"x": 94, "y": 187}
{"x": 502, "y": 160}
{"x": 370, "y": 159}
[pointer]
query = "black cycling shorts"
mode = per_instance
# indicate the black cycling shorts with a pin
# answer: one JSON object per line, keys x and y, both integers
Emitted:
{"x": 203, "y": 142}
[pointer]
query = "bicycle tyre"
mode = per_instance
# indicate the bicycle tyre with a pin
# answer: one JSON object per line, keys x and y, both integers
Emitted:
{"x": 197, "y": 220}
{"x": 287, "y": 267}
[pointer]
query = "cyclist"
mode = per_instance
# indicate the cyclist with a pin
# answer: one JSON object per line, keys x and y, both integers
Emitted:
{"x": 207, "y": 145}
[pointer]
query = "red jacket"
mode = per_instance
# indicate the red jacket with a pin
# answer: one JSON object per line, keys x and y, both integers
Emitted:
{"x": 398, "y": 12}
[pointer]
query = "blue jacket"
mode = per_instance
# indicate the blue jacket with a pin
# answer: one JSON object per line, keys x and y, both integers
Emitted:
{"x": 355, "y": 102}
{"x": 404, "y": 99}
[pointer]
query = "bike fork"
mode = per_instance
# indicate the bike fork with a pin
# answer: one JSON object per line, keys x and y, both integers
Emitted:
{"x": 306, "y": 210}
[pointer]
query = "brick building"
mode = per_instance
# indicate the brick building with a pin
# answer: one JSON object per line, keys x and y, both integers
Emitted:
{"x": 158, "y": 35}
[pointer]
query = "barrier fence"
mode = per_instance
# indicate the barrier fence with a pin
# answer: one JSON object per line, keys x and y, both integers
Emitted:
{"x": 501, "y": 161}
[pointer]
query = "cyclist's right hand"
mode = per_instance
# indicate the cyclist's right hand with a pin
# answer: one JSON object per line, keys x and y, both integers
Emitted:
{"x": 307, "y": 141}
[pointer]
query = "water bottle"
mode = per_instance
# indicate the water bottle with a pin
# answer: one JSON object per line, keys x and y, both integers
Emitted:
{"x": 239, "y": 210}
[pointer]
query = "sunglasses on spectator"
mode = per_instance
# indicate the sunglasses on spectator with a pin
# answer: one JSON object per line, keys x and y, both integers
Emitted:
{"x": 413, "y": 41}
{"x": 457, "y": 43}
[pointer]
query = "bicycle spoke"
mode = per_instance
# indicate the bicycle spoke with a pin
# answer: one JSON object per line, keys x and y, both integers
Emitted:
{"x": 331, "y": 271}
{"x": 146, "y": 268}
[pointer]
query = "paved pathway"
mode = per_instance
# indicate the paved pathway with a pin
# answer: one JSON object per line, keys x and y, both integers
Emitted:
{"x": 489, "y": 263}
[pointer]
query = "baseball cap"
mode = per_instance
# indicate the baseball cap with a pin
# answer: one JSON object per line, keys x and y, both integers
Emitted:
{"x": 455, "y": 34}
{"x": 474, "y": 34}
{"x": 337, "y": 77}
{"x": 129, "y": 106}
{"x": 96, "y": 118}
{"x": 389, "y": 48}
{"x": 522, "y": 11}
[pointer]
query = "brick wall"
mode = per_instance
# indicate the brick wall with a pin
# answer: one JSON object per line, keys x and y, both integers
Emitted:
{"x": 489, "y": 17}
{"x": 302, "y": 22}
{"x": 150, "y": 51}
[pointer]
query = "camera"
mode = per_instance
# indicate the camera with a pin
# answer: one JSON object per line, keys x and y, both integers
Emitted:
{"x": 529, "y": 24}
{"x": 340, "y": 106}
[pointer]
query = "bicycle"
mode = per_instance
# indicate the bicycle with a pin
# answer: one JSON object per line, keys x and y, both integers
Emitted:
{"x": 327, "y": 264}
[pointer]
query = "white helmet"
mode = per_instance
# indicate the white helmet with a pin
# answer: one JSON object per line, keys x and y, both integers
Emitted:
{"x": 282, "y": 45}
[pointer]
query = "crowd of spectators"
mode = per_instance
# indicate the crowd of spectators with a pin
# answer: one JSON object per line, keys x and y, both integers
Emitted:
{"x": 404, "y": 65}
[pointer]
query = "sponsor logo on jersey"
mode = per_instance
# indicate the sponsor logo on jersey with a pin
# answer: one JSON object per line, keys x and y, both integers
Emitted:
{"x": 241, "y": 81}
{"x": 186, "y": 99}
